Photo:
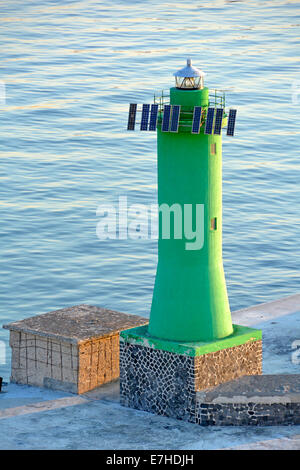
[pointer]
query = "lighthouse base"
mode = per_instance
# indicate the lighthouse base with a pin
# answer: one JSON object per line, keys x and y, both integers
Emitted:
{"x": 163, "y": 377}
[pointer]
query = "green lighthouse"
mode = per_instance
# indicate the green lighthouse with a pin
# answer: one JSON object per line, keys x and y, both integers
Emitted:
{"x": 190, "y": 343}
{"x": 190, "y": 300}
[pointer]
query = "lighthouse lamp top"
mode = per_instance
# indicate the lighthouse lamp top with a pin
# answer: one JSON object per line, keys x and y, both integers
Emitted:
{"x": 189, "y": 78}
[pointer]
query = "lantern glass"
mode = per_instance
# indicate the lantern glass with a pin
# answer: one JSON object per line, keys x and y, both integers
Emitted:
{"x": 189, "y": 83}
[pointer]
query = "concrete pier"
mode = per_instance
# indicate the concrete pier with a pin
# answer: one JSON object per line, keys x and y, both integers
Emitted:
{"x": 35, "y": 418}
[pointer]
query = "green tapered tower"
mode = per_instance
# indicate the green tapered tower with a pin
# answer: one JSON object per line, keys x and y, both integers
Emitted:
{"x": 190, "y": 300}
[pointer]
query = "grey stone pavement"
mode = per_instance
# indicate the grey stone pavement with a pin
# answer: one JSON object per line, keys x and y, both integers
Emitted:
{"x": 35, "y": 418}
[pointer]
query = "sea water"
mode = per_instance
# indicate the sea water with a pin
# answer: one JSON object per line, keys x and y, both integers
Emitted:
{"x": 69, "y": 69}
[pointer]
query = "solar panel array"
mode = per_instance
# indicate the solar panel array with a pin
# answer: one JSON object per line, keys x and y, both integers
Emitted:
{"x": 145, "y": 117}
{"x": 175, "y": 118}
{"x": 171, "y": 119}
{"x": 209, "y": 121}
{"x": 218, "y": 121}
{"x": 196, "y": 120}
{"x": 131, "y": 116}
{"x": 231, "y": 122}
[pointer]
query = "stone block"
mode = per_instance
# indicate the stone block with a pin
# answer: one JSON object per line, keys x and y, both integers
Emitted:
{"x": 74, "y": 349}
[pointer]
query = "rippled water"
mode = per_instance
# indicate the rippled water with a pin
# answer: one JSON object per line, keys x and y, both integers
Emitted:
{"x": 70, "y": 69}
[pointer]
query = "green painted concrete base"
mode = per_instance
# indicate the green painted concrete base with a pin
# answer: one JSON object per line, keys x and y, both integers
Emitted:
{"x": 240, "y": 335}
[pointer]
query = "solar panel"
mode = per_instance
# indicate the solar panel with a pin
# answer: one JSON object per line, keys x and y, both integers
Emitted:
{"x": 196, "y": 120}
{"x": 131, "y": 116}
{"x": 209, "y": 121}
{"x": 153, "y": 117}
{"x": 166, "y": 118}
{"x": 145, "y": 117}
{"x": 231, "y": 122}
{"x": 218, "y": 121}
{"x": 175, "y": 118}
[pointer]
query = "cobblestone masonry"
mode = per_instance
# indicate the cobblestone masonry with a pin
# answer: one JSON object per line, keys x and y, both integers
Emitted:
{"x": 166, "y": 383}
{"x": 157, "y": 381}
{"x": 74, "y": 349}
{"x": 248, "y": 414}
{"x": 227, "y": 364}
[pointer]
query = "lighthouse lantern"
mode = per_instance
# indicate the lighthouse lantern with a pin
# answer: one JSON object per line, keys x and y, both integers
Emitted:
{"x": 189, "y": 78}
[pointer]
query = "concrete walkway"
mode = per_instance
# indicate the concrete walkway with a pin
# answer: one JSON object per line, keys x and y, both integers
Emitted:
{"x": 285, "y": 443}
{"x": 33, "y": 418}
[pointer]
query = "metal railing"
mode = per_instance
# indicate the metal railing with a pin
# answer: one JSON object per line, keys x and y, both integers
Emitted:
{"x": 216, "y": 99}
